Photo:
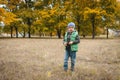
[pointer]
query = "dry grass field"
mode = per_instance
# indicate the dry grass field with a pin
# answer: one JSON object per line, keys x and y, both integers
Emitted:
{"x": 42, "y": 59}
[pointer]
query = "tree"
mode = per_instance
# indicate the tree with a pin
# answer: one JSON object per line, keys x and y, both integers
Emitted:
{"x": 109, "y": 6}
{"x": 60, "y": 18}
{"x": 93, "y": 15}
{"x": 117, "y": 16}
{"x": 7, "y": 18}
{"x": 52, "y": 16}
{"x": 77, "y": 9}
{"x": 7, "y": 13}
{"x": 26, "y": 13}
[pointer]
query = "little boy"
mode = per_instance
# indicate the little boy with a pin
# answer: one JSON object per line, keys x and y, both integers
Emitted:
{"x": 70, "y": 42}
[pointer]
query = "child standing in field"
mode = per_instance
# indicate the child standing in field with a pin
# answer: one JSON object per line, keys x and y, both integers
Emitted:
{"x": 70, "y": 42}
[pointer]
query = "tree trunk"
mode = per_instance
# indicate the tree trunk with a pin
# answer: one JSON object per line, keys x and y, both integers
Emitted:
{"x": 29, "y": 28}
{"x": 51, "y": 34}
{"x": 11, "y": 29}
{"x": 24, "y": 33}
{"x": 40, "y": 33}
{"x": 16, "y": 29}
{"x": 93, "y": 26}
{"x": 93, "y": 31}
{"x": 107, "y": 33}
{"x": 59, "y": 33}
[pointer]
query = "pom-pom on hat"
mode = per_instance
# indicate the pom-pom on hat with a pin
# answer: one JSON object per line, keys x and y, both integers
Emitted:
{"x": 71, "y": 24}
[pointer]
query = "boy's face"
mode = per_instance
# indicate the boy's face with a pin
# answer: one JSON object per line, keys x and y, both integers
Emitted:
{"x": 70, "y": 29}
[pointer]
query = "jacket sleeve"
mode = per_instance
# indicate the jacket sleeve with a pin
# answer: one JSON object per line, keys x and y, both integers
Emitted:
{"x": 77, "y": 40}
{"x": 64, "y": 38}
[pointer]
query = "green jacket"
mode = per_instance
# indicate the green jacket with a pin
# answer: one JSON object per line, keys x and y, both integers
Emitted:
{"x": 75, "y": 38}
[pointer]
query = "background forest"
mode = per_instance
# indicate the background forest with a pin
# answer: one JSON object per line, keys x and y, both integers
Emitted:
{"x": 50, "y": 17}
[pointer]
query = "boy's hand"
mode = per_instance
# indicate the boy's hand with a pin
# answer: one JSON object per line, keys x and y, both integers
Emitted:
{"x": 65, "y": 43}
{"x": 71, "y": 42}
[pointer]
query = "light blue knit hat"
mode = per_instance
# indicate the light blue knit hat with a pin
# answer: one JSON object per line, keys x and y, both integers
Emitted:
{"x": 71, "y": 24}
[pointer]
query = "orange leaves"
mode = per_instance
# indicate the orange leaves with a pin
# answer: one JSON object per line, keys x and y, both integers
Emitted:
{"x": 2, "y": 10}
{"x": 3, "y": 1}
{"x": 1, "y": 13}
{"x": 37, "y": 22}
{"x": 7, "y": 17}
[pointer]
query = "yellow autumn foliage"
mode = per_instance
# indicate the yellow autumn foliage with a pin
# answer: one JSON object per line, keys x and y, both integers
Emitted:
{"x": 1, "y": 13}
{"x": 3, "y": 1}
{"x": 7, "y": 17}
{"x": 44, "y": 14}
{"x": 97, "y": 12}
